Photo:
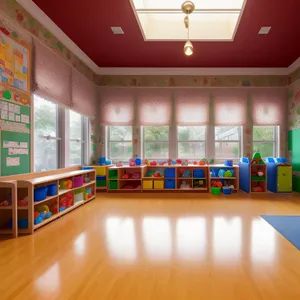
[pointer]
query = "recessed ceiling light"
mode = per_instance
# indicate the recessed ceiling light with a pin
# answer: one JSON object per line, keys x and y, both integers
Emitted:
{"x": 264, "y": 30}
{"x": 117, "y": 30}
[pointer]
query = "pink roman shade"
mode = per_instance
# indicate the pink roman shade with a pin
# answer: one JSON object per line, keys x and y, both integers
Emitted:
{"x": 117, "y": 107}
{"x": 154, "y": 107}
{"x": 84, "y": 95}
{"x": 269, "y": 107}
{"x": 191, "y": 107}
{"x": 230, "y": 107}
{"x": 51, "y": 76}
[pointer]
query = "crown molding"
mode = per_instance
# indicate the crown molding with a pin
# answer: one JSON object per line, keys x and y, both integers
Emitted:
{"x": 40, "y": 16}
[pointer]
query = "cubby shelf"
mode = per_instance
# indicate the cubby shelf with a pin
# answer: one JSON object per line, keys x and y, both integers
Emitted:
{"x": 28, "y": 186}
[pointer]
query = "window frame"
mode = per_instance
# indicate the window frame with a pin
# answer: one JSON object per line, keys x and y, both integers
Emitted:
{"x": 108, "y": 141}
{"x": 169, "y": 141}
{"x": 275, "y": 141}
{"x": 83, "y": 141}
{"x": 191, "y": 141}
{"x": 240, "y": 143}
{"x": 57, "y": 136}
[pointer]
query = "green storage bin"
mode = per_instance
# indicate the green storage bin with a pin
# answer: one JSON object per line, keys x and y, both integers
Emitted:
{"x": 113, "y": 184}
{"x": 296, "y": 184}
{"x": 113, "y": 174}
{"x": 101, "y": 183}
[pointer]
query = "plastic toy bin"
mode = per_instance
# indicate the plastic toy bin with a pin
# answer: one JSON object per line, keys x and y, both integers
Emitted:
{"x": 78, "y": 181}
{"x": 215, "y": 190}
{"x": 100, "y": 181}
{"x": 100, "y": 171}
{"x": 112, "y": 174}
{"x": 147, "y": 184}
{"x": 170, "y": 173}
{"x": 227, "y": 190}
{"x": 199, "y": 174}
{"x": 40, "y": 193}
{"x": 51, "y": 190}
{"x": 170, "y": 184}
{"x": 158, "y": 184}
{"x": 113, "y": 184}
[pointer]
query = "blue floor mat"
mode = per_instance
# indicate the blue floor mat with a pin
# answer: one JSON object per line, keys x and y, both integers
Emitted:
{"x": 288, "y": 226}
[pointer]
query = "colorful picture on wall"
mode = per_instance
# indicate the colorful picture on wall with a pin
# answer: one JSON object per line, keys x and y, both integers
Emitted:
{"x": 14, "y": 64}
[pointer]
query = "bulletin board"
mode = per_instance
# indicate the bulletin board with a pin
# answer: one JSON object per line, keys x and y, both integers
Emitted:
{"x": 14, "y": 64}
{"x": 15, "y": 138}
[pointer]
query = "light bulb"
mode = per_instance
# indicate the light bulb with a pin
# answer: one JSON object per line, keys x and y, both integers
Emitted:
{"x": 188, "y": 48}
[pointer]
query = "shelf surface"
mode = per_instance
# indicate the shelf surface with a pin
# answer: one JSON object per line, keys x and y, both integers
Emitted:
{"x": 130, "y": 179}
{"x": 49, "y": 178}
{"x": 47, "y": 199}
{"x": 222, "y": 177}
{"x": 157, "y": 178}
{"x": 62, "y": 192}
{"x": 6, "y": 231}
{"x": 7, "y": 207}
{"x": 22, "y": 207}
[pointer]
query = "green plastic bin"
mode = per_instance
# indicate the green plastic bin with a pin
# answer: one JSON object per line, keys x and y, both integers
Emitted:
{"x": 216, "y": 190}
{"x": 113, "y": 184}
{"x": 112, "y": 174}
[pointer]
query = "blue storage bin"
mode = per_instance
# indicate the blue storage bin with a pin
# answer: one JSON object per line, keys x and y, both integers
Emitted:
{"x": 40, "y": 194}
{"x": 102, "y": 161}
{"x": 227, "y": 190}
{"x": 100, "y": 177}
{"x": 169, "y": 184}
{"x": 138, "y": 161}
{"x": 23, "y": 223}
{"x": 198, "y": 174}
{"x": 108, "y": 162}
{"x": 228, "y": 163}
{"x": 51, "y": 190}
{"x": 170, "y": 173}
{"x": 87, "y": 168}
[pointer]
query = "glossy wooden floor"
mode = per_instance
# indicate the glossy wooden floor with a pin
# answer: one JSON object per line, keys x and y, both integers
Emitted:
{"x": 161, "y": 247}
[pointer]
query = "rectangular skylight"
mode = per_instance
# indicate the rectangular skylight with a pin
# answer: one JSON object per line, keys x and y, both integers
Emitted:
{"x": 212, "y": 20}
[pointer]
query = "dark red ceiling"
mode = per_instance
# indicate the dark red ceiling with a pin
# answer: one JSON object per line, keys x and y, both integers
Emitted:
{"x": 88, "y": 24}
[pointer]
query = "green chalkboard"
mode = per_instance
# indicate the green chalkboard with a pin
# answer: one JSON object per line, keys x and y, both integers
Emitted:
{"x": 18, "y": 163}
{"x": 294, "y": 143}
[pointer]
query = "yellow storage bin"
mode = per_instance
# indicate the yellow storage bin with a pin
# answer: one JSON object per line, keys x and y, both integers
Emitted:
{"x": 147, "y": 184}
{"x": 158, "y": 184}
{"x": 100, "y": 171}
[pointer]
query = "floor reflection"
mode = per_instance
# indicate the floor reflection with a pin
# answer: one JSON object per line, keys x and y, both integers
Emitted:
{"x": 263, "y": 242}
{"x": 121, "y": 238}
{"x": 227, "y": 238}
{"x": 49, "y": 281}
{"x": 191, "y": 238}
{"x": 79, "y": 244}
{"x": 157, "y": 238}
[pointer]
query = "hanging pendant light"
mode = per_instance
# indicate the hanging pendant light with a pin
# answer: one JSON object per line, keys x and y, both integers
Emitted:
{"x": 187, "y": 8}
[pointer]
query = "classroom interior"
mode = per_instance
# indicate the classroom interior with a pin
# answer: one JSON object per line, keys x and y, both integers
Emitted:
{"x": 149, "y": 149}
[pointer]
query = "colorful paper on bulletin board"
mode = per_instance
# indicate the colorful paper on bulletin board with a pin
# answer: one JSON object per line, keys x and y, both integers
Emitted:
{"x": 14, "y": 64}
{"x": 15, "y": 157}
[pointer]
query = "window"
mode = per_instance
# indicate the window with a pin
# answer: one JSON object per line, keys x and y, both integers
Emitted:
{"x": 265, "y": 140}
{"x": 228, "y": 142}
{"x": 119, "y": 142}
{"x": 78, "y": 126}
{"x": 156, "y": 142}
{"x": 46, "y": 138}
{"x": 191, "y": 142}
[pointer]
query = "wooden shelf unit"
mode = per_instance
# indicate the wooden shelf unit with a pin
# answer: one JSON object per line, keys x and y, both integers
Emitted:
{"x": 234, "y": 180}
{"x": 26, "y": 189}
{"x": 158, "y": 183}
{"x": 9, "y": 213}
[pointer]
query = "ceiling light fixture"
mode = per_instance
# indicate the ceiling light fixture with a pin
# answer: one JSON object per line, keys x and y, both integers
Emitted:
{"x": 187, "y": 8}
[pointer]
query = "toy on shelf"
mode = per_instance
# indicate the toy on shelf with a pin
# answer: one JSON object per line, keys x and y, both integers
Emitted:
{"x": 228, "y": 163}
{"x": 211, "y": 161}
{"x": 42, "y": 213}
{"x": 229, "y": 173}
{"x": 257, "y": 189}
{"x": 138, "y": 161}
{"x": 203, "y": 162}
{"x": 23, "y": 202}
{"x": 136, "y": 175}
{"x": 216, "y": 183}
{"x": 221, "y": 173}
{"x": 132, "y": 162}
{"x": 198, "y": 184}
{"x": 184, "y": 185}
{"x": 184, "y": 162}
{"x": 153, "y": 163}
{"x": 119, "y": 164}
{"x": 66, "y": 201}
{"x": 256, "y": 159}
{"x": 169, "y": 162}
{"x": 178, "y": 161}
{"x": 146, "y": 162}
{"x": 6, "y": 202}
{"x": 66, "y": 184}
{"x": 157, "y": 174}
{"x": 126, "y": 176}
{"x": 162, "y": 163}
